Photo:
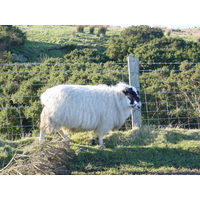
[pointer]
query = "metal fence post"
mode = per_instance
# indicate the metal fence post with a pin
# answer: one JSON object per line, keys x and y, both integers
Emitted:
{"x": 134, "y": 80}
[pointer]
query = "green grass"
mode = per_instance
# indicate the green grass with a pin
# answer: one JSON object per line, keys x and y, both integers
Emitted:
{"x": 138, "y": 151}
{"x": 47, "y": 41}
{"x": 142, "y": 151}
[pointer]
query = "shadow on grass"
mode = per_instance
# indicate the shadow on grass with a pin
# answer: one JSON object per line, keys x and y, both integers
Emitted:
{"x": 175, "y": 136}
{"x": 33, "y": 50}
{"x": 137, "y": 157}
{"x": 149, "y": 151}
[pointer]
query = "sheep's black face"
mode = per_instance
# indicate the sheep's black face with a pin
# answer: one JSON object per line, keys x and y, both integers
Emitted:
{"x": 134, "y": 96}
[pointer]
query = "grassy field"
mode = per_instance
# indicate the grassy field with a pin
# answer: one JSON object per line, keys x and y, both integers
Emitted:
{"x": 48, "y": 41}
{"x": 138, "y": 151}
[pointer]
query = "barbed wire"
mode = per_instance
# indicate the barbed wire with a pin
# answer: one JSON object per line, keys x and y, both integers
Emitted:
{"x": 64, "y": 71}
{"x": 162, "y": 70}
{"x": 168, "y": 63}
{"x": 104, "y": 63}
{"x": 107, "y": 63}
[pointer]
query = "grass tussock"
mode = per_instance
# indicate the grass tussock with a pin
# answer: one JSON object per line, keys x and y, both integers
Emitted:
{"x": 48, "y": 158}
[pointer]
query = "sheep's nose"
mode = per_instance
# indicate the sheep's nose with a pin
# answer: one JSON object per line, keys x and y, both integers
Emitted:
{"x": 137, "y": 105}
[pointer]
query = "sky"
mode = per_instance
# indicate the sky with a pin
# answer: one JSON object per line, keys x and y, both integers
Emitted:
{"x": 170, "y": 13}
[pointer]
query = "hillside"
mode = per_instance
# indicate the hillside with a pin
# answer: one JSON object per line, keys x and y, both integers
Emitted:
{"x": 51, "y": 41}
{"x": 47, "y": 41}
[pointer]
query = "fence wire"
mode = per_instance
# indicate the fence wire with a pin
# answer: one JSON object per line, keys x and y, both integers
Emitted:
{"x": 170, "y": 95}
{"x": 22, "y": 85}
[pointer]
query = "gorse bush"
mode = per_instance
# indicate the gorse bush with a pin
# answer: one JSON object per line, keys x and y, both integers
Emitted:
{"x": 21, "y": 85}
{"x": 80, "y": 28}
{"x": 9, "y": 36}
{"x": 102, "y": 30}
{"x": 150, "y": 45}
{"x": 21, "y": 108}
{"x": 6, "y": 57}
{"x": 91, "y": 29}
{"x": 143, "y": 33}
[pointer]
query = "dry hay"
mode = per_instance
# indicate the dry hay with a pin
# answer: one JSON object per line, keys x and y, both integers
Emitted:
{"x": 49, "y": 158}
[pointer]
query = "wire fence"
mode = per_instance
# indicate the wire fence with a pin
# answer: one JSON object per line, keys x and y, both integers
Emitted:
{"x": 170, "y": 94}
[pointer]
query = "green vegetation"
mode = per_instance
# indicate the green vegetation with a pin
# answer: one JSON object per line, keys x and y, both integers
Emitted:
{"x": 141, "y": 151}
{"x": 138, "y": 151}
{"x": 150, "y": 45}
{"x": 39, "y": 57}
{"x": 45, "y": 42}
{"x": 10, "y": 36}
{"x": 175, "y": 94}
{"x": 170, "y": 93}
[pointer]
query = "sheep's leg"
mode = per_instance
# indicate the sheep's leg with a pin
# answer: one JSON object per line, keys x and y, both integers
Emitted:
{"x": 101, "y": 144}
{"x": 63, "y": 134}
{"x": 42, "y": 136}
{"x": 42, "y": 126}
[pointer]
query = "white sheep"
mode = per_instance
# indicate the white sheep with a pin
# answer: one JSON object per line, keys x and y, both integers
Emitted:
{"x": 77, "y": 108}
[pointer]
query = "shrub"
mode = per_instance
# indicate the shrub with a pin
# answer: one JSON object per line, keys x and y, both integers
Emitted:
{"x": 198, "y": 39}
{"x": 168, "y": 33}
{"x": 102, "y": 30}
{"x": 80, "y": 28}
{"x": 68, "y": 46}
{"x": 10, "y": 36}
{"x": 92, "y": 29}
{"x": 6, "y": 57}
{"x": 143, "y": 33}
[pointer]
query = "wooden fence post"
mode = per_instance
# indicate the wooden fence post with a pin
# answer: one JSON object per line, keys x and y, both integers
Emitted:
{"x": 134, "y": 80}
